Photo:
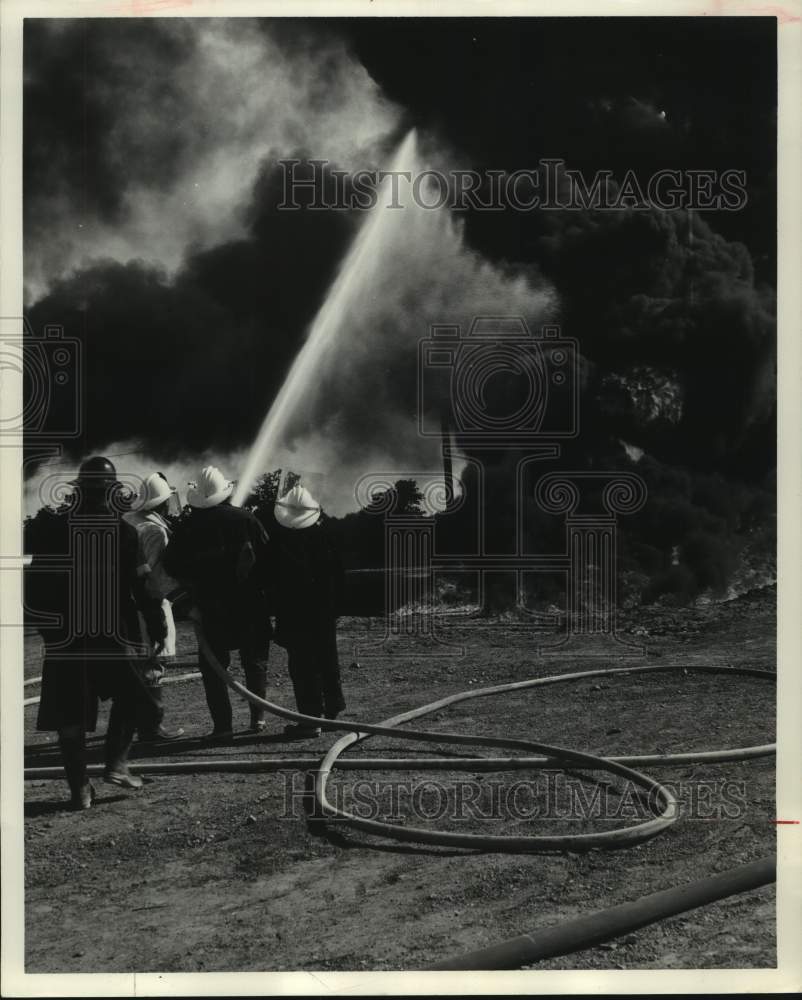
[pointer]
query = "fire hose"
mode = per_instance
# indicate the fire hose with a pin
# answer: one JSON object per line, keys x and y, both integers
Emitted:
{"x": 660, "y": 800}
{"x": 573, "y": 935}
{"x": 593, "y": 928}
{"x": 176, "y": 679}
{"x": 568, "y": 937}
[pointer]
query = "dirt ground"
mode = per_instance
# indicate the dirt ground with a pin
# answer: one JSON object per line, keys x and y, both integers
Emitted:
{"x": 223, "y": 872}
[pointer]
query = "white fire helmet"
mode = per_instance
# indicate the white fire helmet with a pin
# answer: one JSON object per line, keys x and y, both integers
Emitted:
{"x": 211, "y": 488}
{"x": 297, "y": 509}
{"x": 157, "y": 491}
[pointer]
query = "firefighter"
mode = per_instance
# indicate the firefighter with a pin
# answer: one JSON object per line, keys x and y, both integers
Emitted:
{"x": 309, "y": 578}
{"x": 220, "y": 552}
{"x": 153, "y": 533}
{"x": 83, "y": 572}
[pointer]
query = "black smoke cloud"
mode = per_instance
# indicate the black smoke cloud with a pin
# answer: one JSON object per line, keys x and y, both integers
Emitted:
{"x": 143, "y": 137}
{"x": 663, "y": 304}
{"x": 187, "y": 339}
{"x": 592, "y": 91}
{"x": 689, "y": 296}
{"x": 662, "y": 291}
{"x": 190, "y": 363}
{"x": 75, "y": 87}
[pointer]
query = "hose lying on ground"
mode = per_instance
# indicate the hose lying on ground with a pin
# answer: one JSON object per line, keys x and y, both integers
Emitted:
{"x": 592, "y": 929}
{"x": 177, "y": 679}
{"x": 229, "y": 765}
{"x": 526, "y": 949}
{"x": 660, "y": 799}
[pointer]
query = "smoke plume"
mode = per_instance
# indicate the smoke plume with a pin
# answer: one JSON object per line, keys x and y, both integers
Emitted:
{"x": 144, "y": 137}
{"x": 191, "y": 290}
{"x": 153, "y": 235}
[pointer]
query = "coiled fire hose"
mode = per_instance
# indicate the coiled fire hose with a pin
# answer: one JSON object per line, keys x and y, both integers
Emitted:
{"x": 570, "y": 936}
{"x": 561, "y": 939}
{"x": 573, "y": 935}
{"x": 660, "y": 800}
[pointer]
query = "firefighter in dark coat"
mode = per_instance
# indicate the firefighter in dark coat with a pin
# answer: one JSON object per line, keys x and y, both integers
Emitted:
{"x": 83, "y": 576}
{"x": 309, "y": 578}
{"x": 220, "y": 553}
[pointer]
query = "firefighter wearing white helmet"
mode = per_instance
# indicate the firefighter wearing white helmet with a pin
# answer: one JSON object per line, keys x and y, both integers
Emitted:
{"x": 309, "y": 581}
{"x": 220, "y": 552}
{"x": 297, "y": 509}
{"x": 153, "y": 535}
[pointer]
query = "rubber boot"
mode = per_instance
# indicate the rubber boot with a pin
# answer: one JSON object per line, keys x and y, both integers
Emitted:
{"x": 148, "y": 734}
{"x": 147, "y": 694}
{"x": 333, "y": 697}
{"x": 258, "y": 723}
{"x": 72, "y": 742}
{"x": 256, "y": 681}
{"x": 119, "y": 737}
{"x": 217, "y": 698}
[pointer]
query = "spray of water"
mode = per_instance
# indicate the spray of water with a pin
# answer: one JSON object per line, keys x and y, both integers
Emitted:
{"x": 352, "y": 282}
